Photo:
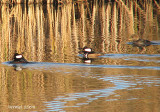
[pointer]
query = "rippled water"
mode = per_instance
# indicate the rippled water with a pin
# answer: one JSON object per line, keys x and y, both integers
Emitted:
{"x": 58, "y": 78}
{"x": 83, "y": 86}
{"x": 152, "y": 60}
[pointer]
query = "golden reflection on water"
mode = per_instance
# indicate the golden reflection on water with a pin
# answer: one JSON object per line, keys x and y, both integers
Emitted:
{"x": 107, "y": 89}
{"x": 30, "y": 87}
{"x": 45, "y": 33}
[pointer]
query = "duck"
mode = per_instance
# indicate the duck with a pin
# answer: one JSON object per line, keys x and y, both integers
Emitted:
{"x": 139, "y": 42}
{"x": 18, "y": 58}
{"x": 89, "y": 53}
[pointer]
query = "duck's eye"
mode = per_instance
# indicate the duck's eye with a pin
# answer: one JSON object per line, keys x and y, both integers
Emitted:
{"x": 19, "y": 56}
{"x": 88, "y": 50}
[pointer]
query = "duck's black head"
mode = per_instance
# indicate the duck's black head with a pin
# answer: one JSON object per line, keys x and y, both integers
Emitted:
{"x": 18, "y": 58}
{"x": 134, "y": 37}
{"x": 87, "y": 50}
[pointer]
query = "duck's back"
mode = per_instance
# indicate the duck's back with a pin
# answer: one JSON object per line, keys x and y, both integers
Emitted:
{"x": 141, "y": 42}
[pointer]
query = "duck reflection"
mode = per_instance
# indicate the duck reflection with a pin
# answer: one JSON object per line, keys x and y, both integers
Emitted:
{"x": 87, "y": 60}
{"x": 18, "y": 68}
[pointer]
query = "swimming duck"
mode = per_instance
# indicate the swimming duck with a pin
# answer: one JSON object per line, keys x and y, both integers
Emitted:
{"x": 18, "y": 58}
{"x": 88, "y": 53}
{"x": 139, "y": 42}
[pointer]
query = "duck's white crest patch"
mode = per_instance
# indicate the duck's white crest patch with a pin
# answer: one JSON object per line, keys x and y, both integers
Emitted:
{"x": 19, "y": 56}
{"x": 88, "y": 49}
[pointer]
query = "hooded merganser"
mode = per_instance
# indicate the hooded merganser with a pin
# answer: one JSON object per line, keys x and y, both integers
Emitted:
{"x": 139, "y": 42}
{"x": 88, "y": 53}
{"x": 18, "y": 58}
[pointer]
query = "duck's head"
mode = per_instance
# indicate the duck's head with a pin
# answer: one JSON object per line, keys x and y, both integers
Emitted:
{"x": 19, "y": 58}
{"x": 87, "y": 50}
{"x": 134, "y": 37}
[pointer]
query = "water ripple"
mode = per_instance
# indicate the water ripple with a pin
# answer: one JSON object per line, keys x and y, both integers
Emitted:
{"x": 129, "y": 55}
{"x": 119, "y": 82}
{"x": 49, "y": 66}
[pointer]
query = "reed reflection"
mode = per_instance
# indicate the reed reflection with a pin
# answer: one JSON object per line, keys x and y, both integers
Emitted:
{"x": 46, "y": 33}
{"x": 33, "y": 88}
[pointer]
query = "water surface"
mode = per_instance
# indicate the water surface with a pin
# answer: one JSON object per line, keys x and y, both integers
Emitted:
{"x": 124, "y": 79}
